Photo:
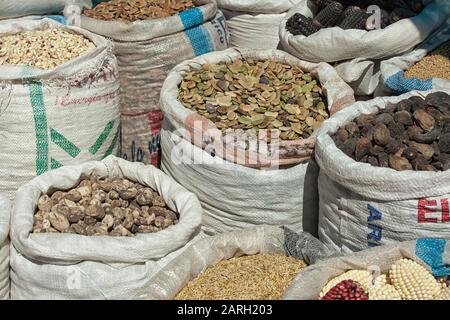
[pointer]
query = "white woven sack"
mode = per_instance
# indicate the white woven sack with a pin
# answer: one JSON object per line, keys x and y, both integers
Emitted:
{"x": 5, "y": 207}
{"x": 363, "y": 206}
{"x": 335, "y": 44}
{"x": 209, "y": 251}
{"x": 362, "y": 49}
{"x": 14, "y": 9}
{"x": 71, "y": 266}
{"x": 232, "y": 195}
{"x": 66, "y": 115}
{"x": 392, "y": 70}
{"x": 146, "y": 52}
{"x": 431, "y": 253}
{"x": 254, "y": 23}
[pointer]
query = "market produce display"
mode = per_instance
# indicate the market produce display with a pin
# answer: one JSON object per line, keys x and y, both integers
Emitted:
{"x": 256, "y": 277}
{"x": 434, "y": 65}
{"x": 406, "y": 280}
{"x": 133, "y": 10}
{"x": 413, "y": 134}
{"x": 104, "y": 206}
{"x": 44, "y": 49}
{"x": 249, "y": 94}
{"x": 351, "y": 15}
{"x": 304, "y": 148}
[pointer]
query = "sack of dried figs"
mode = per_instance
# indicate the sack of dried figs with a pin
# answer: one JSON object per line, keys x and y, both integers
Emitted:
{"x": 384, "y": 171}
{"x": 59, "y": 99}
{"x": 426, "y": 67}
{"x": 98, "y": 230}
{"x": 221, "y": 267}
{"x": 254, "y": 23}
{"x": 150, "y": 38}
{"x": 235, "y": 189}
{"x": 5, "y": 207}
{"x": 358, "y": 53}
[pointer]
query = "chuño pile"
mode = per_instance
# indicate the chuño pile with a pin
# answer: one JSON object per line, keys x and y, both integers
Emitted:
{"x": 103, "y": 206}
{"x": 413, "y": 134}
{"x": 352, "y": 15}
{"x": 249, "y": 94}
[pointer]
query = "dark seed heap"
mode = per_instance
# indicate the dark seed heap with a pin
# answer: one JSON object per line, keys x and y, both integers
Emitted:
{"x": 413, "y": 134}
{"x": 346, "y": 290}
{"x": 352, "y": 15}
{"x": 102, "y": 207}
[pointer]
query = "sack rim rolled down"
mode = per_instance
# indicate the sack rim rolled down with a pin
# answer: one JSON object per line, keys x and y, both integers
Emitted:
{"x": 140, "y": 248}
{"x": 363, "y": 44}
{"x": 369, "y": 181}
{"x": 72, "y": 70}
{"x": 145, "y": 30}
{"x": 338, "y": 93}
{"x": 257, "y": 6}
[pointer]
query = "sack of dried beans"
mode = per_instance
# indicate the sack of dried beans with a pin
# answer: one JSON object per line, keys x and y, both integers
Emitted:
{"x": 150, "y": 38}
{"x": 254, "y": 23}
{"x": 59, "y": 99}
{"x": 239, "y": 132}
{"x": 250, "y": 264}
{"x": 99, "y": 230}
{"x": 411, "y": 270}
{"x": 385, "y": 171}
{"x": 5, "y": 208}
{"x": 359, "y": 34}
{"x": 426, "y": 67}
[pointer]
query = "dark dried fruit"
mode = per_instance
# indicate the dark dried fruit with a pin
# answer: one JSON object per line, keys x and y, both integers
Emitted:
{"x": 400, "y": 140}
{"x": 393, "y": 146}
{"x": 362, "y": 148}
{"x": 381, "y": 134}
{"x": 399, "y": 163}
{"x": 410, "y": 153}
{"x": 356, "y": 19}
{"x": 403, "y": 117}
{"x": 424, "y": 120}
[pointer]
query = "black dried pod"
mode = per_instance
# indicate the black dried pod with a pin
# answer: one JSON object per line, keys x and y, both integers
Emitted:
{"x": 428, "y": 137}
{"x": 365, "y": 119}
{"x": 329, "y": 16}
{"x": 298, "y": 24}
{"x": 354, "y": 19}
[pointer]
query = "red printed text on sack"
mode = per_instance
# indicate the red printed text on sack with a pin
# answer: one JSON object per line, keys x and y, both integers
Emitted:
{"x": 433, "y": 211}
